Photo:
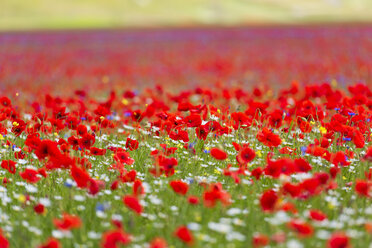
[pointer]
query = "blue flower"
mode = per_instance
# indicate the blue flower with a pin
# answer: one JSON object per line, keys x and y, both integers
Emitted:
{"x": 191, "y": 145}
{"x": 68, "y": 184}
{"x": 303, "y": 150}
{"x": 100, "y": 207}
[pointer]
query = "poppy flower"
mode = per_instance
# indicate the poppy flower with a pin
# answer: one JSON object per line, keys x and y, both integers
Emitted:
{"x": 358, "y": 139}
{"x": 193, "y": 120}
{"x": 4, "y": 243}
{"x": 67, "y": 222}
{"x": 179, "y": 187}
{"x": 9, "y": 165}
{"x": 202, "y": 132}
{"x": 5, "y": 101}
{"x": 114, "y": 185}
{"x": 368, "y": 155}
{"x": 138, "y": 188}
{"x": 241, "y": 120}
{"x": 158, "y": 243}
{"x": 218, "y": 154}
{"x": 81, "y": 130}
{"x": 302, "y": 228}
{"x": 123, "y": 157}
{"x": 132, "y": 203}
{"x": 39, "y": 208}
{"x": 80, "y": 176}
{"x": 245, "y": 155}
{"x": 268, "y": 138}
{"x": 292, "y": 189}
{"x": 317, "y": 215}
{"x": 338, "y": 240}
{"x": 184, "y": 235}
{"x": 115, "y": 238}
{"x": 257, "y": 172}
{"x": 97, "y": 151}
{"x": 51, "y": 243}
{"x": 131, "y": 144}
{"x": 47, "y": 148}
{"x": 128, "y": 176}
{"x": 363, "y": 187}
{"x": 194, "y": 200}
{"x": 302, "y": 165}
{"x": 86, "y": 141}
{"x": 260, "y": 240}
{"x": 268, "y": 200}
{"x": 215, "y": 193}
{"x": 30, "y": 175}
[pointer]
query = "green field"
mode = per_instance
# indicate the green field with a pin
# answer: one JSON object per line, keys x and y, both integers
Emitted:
{"x": 53, "y": 14}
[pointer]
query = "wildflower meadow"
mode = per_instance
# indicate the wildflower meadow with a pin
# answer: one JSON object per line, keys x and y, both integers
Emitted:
{"x": 236, "y": 137}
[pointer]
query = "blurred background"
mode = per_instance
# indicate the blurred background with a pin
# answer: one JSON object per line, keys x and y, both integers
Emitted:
{"x": 78, "y": 14}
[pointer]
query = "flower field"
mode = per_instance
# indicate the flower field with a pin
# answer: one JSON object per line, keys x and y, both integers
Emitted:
{"x": 244, "y": 137}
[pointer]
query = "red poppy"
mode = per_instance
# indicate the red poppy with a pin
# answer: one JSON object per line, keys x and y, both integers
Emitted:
{"x": 30, "y": 175}
{"x": 97, "y": 151}
{"x": 202, "y": 131}
{"x": 128, "y": 176}
{"x": 218, "y": 154}
{"x": 194, "y": 200}
{"x": 302, "y": 165}
{"x": 241, "y": 120}
{"x": 5, "y": 101}
{"x": 245, "y": 155}
{"x": 114, "y": 185}
{"x": 368, "y": 155}
{"x": 358, "y": 139}
{"x": 302, "y": 228}
{"x": 86, "y": 141}
{"x": 131, "y": 144}
{"x": 269, "y": 200}
{"x": 164, "y": 165}
{"x": 138, "y": 188}
{"x": 67, "y": 222}
{"x": 80, "y": 176}
{"x": 132, "y": 203}
{"x": 184, "y": 235}
{"x": 4, "y": 243}
{"x": 51, "y": 243}
{"x": 115, "y": 238}
{"x": 292, "y": 189}
{"x": 268, "y": 138}
{"x": 338, "y": 240}
{"x": 257, "y": 172}
{"x": 214, "y": 194}
{"x": 39, "y": 208}
{"x": 9, "y": 165}
{"x": 260, "y": 240}
{"x": 81, "y": 130}
{"x": 47, "y": 148}
{"x": 317, "y": 215}
{"x": 363, "y": 187}
{"x": 158, "y": 243}
{"x": 193, "y": 120}
{"x": 275, "y": 168}
{"x": 123, "y": 157}
{"x": 179, "y": 187}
